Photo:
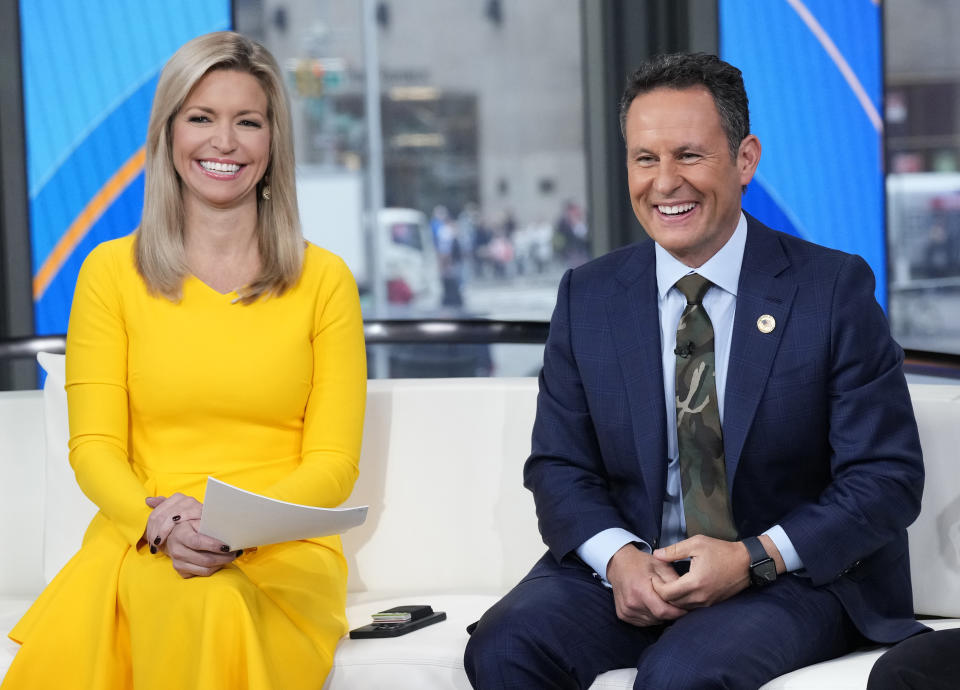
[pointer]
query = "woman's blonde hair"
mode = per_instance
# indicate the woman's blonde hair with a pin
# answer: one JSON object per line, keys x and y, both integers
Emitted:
{"x": 159, "y": 248}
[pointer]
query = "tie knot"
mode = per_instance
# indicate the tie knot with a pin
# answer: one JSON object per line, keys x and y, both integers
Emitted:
{"x": 693, "y": 287}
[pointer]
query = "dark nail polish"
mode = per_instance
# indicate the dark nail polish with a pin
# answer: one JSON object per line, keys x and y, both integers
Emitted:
{"x": 175, "y": 518}
{"x": 239, "y": 553}
{"x": 153, "y": 549}
{"x": 157, "y": 541}
{"x": 225, "y": 548}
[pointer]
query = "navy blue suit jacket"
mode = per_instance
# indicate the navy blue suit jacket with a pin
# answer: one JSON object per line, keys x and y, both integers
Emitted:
{"x": 819, "y": 431}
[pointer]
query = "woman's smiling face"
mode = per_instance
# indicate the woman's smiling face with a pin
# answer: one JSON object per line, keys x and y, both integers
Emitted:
{"x": 221, "y": 140}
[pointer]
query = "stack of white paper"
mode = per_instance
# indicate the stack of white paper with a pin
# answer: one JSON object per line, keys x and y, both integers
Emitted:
{"x": 242, "y": 519}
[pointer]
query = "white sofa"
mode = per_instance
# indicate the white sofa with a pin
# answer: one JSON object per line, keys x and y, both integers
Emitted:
{"x": 449, "y": 524}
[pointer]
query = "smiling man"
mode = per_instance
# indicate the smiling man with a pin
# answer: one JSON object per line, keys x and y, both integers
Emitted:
{"x": 725, "y": 458}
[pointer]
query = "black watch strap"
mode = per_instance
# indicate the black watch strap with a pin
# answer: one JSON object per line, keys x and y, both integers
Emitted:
{"x": 763, "y": 570}
{"x": 755, "y": 549}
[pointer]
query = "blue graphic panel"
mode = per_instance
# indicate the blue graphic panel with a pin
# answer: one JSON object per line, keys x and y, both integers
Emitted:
{"x": 89, "y": 72}
{"x": 92, "y": 162}
{"x": 813, "y": 72}
{"x": 121, "y": 218}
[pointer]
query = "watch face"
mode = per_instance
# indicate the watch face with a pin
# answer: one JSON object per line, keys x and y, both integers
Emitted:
{"x": 763, "y": 573}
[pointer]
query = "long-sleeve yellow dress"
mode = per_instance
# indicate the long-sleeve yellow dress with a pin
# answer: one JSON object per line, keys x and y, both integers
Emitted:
{"x": 267, "y": 396}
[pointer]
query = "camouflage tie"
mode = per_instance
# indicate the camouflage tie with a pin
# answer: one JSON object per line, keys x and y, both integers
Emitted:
{"x": 699, "y": 436}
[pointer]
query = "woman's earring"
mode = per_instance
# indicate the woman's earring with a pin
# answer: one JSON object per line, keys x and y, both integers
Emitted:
{"x": 265, "y": 192}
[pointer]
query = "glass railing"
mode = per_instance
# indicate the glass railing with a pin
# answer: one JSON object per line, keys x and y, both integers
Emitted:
{"x": 425, "y": 348}
{"x": 461, "y": 347}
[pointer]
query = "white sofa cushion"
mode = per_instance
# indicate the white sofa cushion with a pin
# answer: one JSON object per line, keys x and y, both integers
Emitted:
{"x": 849, "y": 672}
{"x": 431, "y": 657}
{"x": 441, "y": 470}
{"x": 67, "y": 511}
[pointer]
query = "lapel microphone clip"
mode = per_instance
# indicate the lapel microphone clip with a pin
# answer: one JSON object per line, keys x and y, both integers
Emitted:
{"x": 684, "y": 351}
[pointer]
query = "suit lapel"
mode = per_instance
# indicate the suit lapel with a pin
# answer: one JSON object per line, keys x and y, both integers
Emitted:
{"x": 762, "y": 292}
{"x": 635, "y": 324}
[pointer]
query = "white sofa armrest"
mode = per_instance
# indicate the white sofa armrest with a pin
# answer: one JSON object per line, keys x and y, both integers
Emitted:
{"x": 21, "y": 493}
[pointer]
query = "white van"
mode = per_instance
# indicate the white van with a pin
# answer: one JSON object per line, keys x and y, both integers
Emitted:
{"x": 410, "y": 266}
{"x": 331, "y": 210}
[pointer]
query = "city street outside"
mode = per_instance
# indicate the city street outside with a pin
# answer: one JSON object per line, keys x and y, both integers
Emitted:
{"x": 521, "y": 299}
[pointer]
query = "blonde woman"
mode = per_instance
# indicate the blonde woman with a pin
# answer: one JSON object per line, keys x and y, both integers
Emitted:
{"x": 212, "y": 342}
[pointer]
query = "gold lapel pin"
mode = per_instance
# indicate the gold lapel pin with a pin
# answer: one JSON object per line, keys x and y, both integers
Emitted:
{"x": 766, "y": 323}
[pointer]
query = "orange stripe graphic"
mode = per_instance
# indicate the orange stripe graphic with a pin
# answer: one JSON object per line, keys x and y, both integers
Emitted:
{"x": 82, "y": 223}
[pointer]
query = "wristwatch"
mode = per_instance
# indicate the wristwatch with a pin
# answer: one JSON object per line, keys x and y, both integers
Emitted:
{"x": 763, "y": 570}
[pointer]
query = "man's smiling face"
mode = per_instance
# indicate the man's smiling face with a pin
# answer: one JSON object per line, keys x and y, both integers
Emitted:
{"x": 684, "y": 185}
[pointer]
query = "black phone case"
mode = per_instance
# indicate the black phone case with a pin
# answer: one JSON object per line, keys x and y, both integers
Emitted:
{"x": 422, "y": 617}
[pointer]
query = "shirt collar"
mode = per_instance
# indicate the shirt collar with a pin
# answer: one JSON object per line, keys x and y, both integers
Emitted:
{"x": 722, "y": 269}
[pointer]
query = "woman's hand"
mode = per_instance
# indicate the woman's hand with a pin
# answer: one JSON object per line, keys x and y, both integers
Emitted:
{"x": 194, "y": 554}
{"x": 172, "y": 529}
{"x": 167, "y": 513}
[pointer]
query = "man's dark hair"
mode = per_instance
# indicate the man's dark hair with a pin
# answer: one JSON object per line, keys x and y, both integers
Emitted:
{"x": 686, "y": 70}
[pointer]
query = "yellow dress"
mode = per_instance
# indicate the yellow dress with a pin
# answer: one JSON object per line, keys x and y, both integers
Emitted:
{"x": 267, "y": 396}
